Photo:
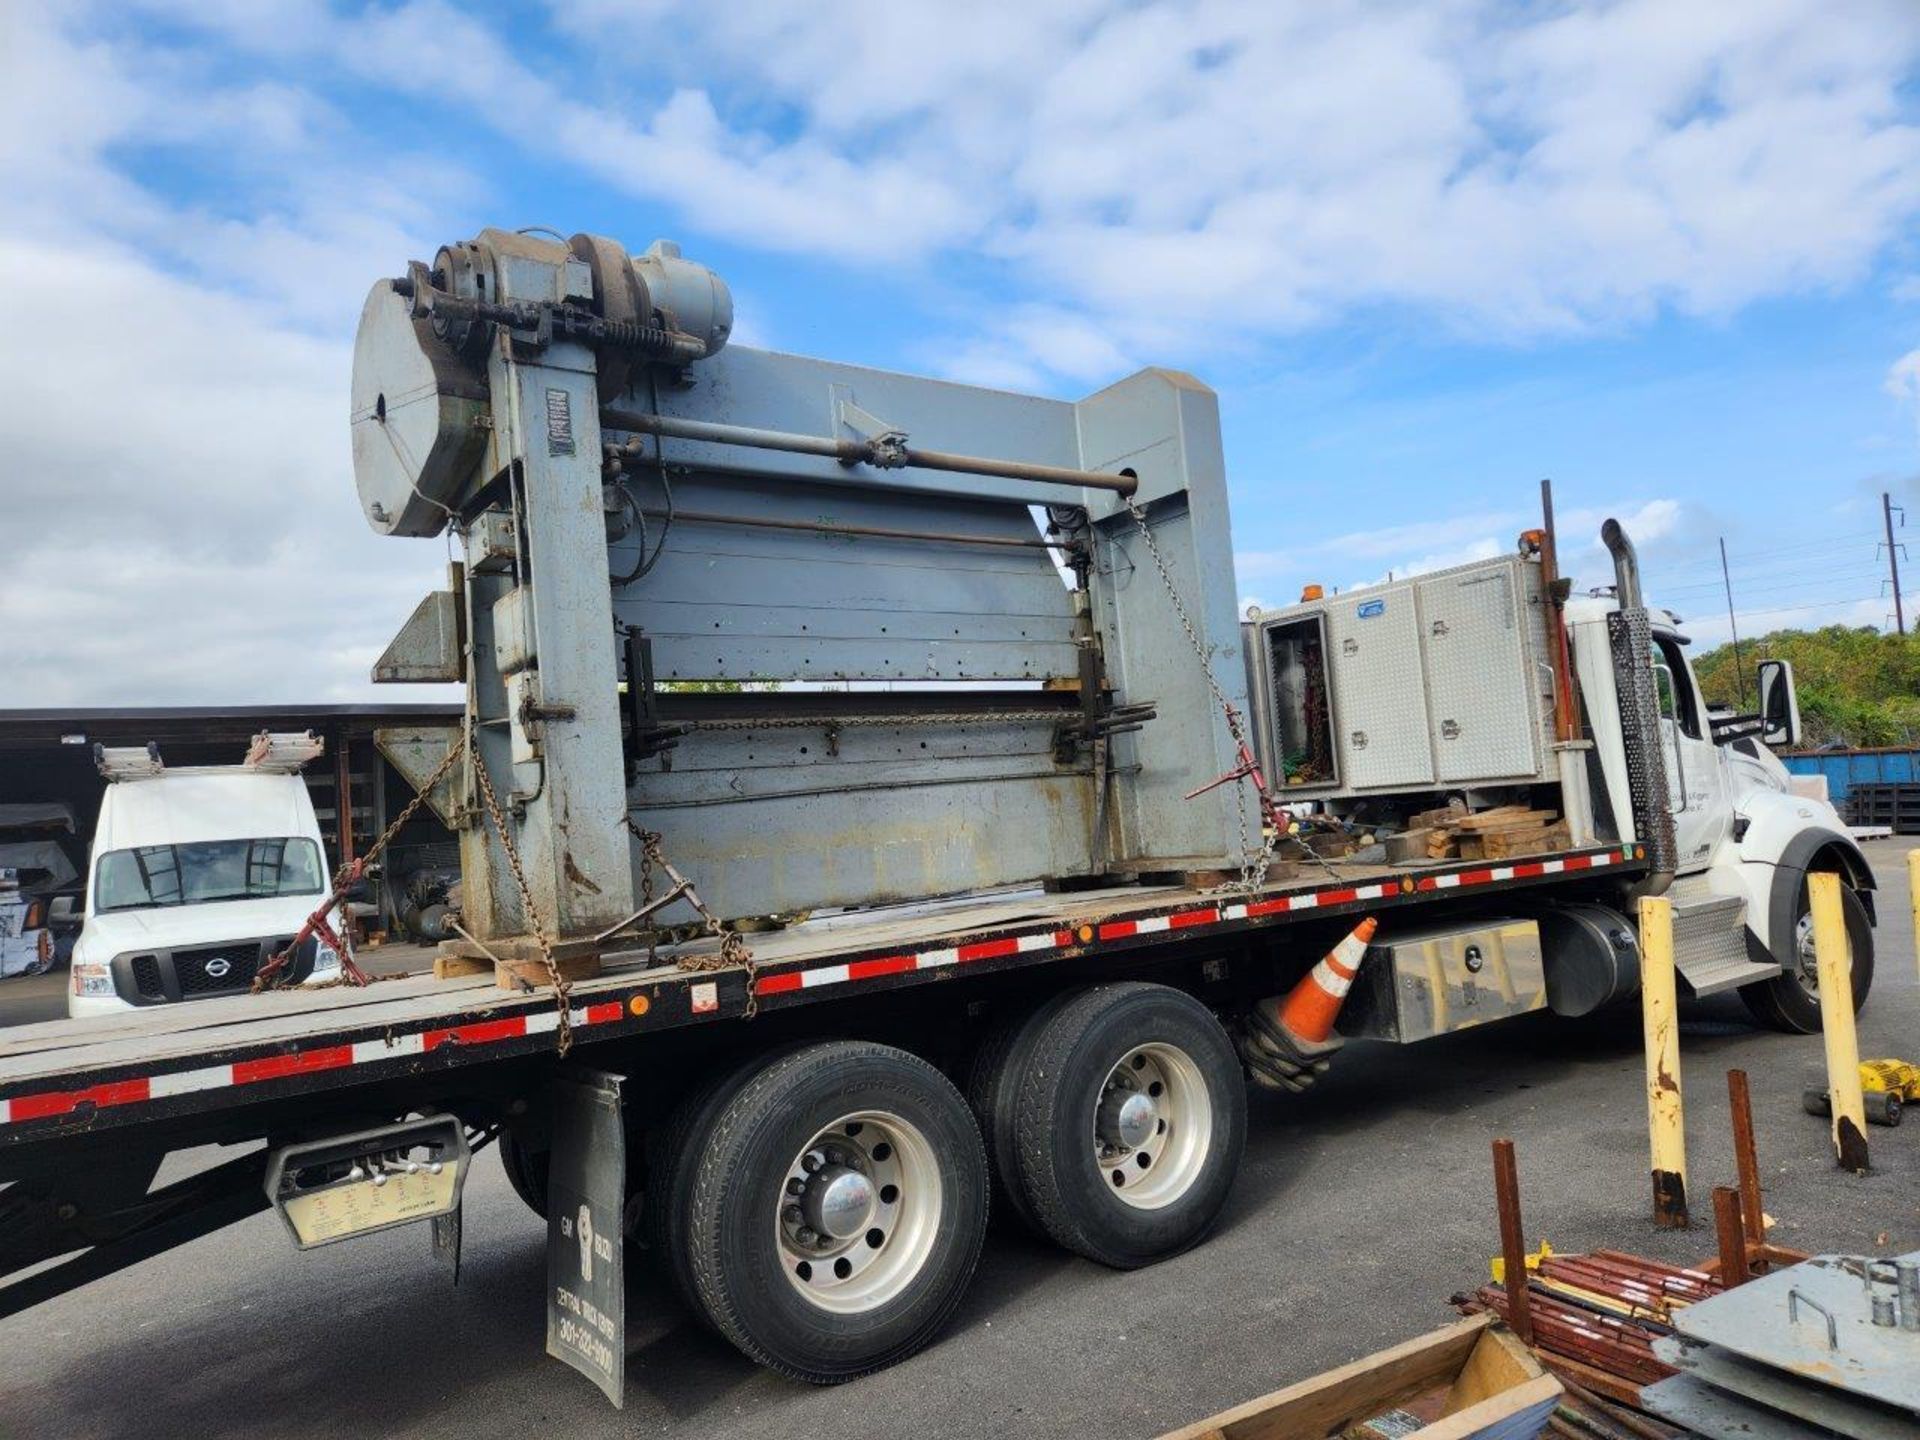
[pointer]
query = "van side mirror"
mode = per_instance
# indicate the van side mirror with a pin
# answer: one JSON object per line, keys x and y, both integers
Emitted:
{"x": 1779, "y": 705}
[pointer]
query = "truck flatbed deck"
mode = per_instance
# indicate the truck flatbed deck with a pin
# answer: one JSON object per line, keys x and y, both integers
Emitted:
{"x": 63, "y": 1077}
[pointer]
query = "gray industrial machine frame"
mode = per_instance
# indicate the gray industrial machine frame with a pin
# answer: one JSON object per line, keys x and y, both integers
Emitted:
{"x": 759, "y": 522}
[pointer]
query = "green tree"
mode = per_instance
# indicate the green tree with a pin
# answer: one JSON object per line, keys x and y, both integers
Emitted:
{"x": 1857, "y": 686}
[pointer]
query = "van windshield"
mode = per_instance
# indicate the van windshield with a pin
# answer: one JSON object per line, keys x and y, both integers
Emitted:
{"x": 204, "y": 871}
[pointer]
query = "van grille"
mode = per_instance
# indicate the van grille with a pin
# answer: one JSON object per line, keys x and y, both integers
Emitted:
{"x": 216, "y": 970}
{"x": 146, "y": 975}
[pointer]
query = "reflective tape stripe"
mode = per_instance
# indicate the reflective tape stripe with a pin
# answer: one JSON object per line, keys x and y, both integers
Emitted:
{"x": 289, "y": 1063}
{"x": 140, "y": 1089}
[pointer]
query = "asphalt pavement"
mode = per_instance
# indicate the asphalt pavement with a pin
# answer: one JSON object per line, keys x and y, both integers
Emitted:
{"x": 1361, "y": 1207}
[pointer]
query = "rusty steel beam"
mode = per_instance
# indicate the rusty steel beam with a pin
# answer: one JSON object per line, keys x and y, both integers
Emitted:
{"x": 1731, "y": 1234}
{"x": 1513, "y": 1244}
{"x": 1746, "y": 1158}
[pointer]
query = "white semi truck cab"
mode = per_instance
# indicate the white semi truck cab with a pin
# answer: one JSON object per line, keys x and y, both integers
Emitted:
{"x": 1492, "y": 684}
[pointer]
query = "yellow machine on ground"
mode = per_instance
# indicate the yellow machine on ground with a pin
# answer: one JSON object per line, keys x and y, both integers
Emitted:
{"x": 1887, "y": 1087}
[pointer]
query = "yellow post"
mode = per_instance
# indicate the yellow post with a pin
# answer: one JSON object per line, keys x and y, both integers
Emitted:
{"x": 1659, "y": 1010}
{"x": 1913, "y": 897}
{"x": 1834, "y": 958}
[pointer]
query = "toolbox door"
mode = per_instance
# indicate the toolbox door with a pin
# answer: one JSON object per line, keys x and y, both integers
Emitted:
{"x": 1481, "y": 689}
{"x": 1380, "y": 701}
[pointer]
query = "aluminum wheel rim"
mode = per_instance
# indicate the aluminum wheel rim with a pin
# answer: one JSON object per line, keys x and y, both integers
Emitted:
{"x": 849, "y": 1258}
{"x": 1806, "y": 968}
{"x": 1152, "y": 1126}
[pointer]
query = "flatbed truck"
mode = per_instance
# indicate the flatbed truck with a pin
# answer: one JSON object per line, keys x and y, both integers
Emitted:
{"x": 778, "y": 970}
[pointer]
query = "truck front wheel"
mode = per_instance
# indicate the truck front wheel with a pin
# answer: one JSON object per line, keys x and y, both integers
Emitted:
{"x": 1129, "y": 1120}
{"x": 1790, "y": 1002}
{"x": 837, "y": 1210}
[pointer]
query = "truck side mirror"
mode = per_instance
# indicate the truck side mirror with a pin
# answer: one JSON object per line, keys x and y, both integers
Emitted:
{"x": 1779, "y": 706}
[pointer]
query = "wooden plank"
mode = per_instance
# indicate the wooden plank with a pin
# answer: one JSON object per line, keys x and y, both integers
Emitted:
{"x": 1499, "y": 815}
{"x": 458, "y": 967}
{"x": 1498, "y": 1363}
{"x": 1505, "y": 844}
{"x": 1328, "y": 1403}
{"x": 1521, "y": 1411}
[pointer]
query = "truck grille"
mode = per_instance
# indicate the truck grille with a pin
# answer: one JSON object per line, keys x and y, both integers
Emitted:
{"x": 146, "y": 975}
{"x": 216, "y": 970}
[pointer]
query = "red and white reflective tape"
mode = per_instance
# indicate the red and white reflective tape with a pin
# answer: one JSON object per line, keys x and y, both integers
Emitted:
{"x": 1525, "y": 870}
{"x": 140, "y": 1088}
{"x": 791, "y": 980}
{"x": 788, "y": 981}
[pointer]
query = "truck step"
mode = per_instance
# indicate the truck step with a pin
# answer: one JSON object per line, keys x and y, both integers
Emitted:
{"x": 1710, "y": 943}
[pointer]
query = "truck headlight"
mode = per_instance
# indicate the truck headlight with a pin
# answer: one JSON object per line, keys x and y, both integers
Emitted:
{"x": 92, "y": 978}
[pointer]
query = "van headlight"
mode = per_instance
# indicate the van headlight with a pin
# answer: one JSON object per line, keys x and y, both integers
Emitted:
{"x": 92, "y": 978}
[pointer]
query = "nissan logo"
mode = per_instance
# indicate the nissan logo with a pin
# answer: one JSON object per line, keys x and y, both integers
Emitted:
{"x": 217, "y": 968}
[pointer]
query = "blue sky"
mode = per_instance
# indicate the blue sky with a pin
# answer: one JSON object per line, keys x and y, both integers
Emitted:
{"x": 1427, "y": 254}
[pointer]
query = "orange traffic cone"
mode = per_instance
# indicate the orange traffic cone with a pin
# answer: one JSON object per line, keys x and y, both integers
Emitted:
{"x": 1287, "y": 1041}
{"x": 1310, "y": 1010}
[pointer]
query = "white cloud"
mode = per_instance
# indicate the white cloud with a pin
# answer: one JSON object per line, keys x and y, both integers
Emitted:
{"x": 1171, "y": 180}
{"x": 178, "y": 491}
{"x": 1192, "y": 170}
{"x": 1903, "y": 383}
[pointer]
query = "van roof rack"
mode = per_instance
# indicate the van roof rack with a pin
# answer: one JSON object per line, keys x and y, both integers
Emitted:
{"x": 270, "y": 752}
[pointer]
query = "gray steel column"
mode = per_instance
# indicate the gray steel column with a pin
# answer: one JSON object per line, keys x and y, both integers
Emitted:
{"x": 544, "y": 658}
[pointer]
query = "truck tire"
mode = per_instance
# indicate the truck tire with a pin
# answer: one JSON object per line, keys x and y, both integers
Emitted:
{"x": 1129, "y": 1123}
{"x": 837, "y": 1210}
{"x": 526, "y": 1172}
{"x": 675, "y": 1157}
{"x": 1790, "y": 1002}
{"x": 993, "y": 1087}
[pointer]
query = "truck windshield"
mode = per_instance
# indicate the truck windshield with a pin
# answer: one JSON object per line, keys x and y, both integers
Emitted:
{"x": 204, "y": 871}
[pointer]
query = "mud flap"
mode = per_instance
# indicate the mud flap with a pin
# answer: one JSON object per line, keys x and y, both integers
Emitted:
{"x": 586, "y": 1193}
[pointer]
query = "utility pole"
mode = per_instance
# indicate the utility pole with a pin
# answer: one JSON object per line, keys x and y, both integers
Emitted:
{"x": 1887, "y": 507}
{"x": 1739, "y": 665}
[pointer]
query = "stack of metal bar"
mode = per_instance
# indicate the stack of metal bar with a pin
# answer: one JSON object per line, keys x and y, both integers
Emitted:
{"x": 1595, "y": 1318}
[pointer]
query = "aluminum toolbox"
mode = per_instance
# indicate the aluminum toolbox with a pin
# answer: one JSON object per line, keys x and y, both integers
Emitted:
{"x": 1439, "y": 682}
{"x": 1415, "y": 984}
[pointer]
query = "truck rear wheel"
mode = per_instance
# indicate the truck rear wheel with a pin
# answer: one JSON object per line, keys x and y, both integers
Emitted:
{"x": 1790, "y": 1002}
{"x": 837, "y": 1210}
{"x": 993, "y": 1088}
{"x": 526, "y": 1171}
{"x": 675, "y": 1159}
{"x": 1129, "y": 1123}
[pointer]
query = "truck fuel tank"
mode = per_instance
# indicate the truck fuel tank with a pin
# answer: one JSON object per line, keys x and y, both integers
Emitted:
{"x": 1592, "y": 957}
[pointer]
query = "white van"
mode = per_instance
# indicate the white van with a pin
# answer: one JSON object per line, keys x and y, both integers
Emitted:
{"x": 198, "y": 876}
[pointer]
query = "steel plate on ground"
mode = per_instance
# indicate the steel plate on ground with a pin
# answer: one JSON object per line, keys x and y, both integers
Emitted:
{"x": 1878, "y": 1361}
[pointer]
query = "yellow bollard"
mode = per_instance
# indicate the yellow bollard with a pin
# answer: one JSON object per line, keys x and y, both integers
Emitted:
{"x": 1835, "y": 960}
{"x": 1659, "y": 1010}
{"x": 1913, "y": 897}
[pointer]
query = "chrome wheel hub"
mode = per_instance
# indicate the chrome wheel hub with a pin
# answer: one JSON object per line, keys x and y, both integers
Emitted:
{"x": 858, "y": 1212}
{"x": 839, "y": 1202}
{"x": 1806, "y": 966}
{"x": 1152, "y": 1126}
